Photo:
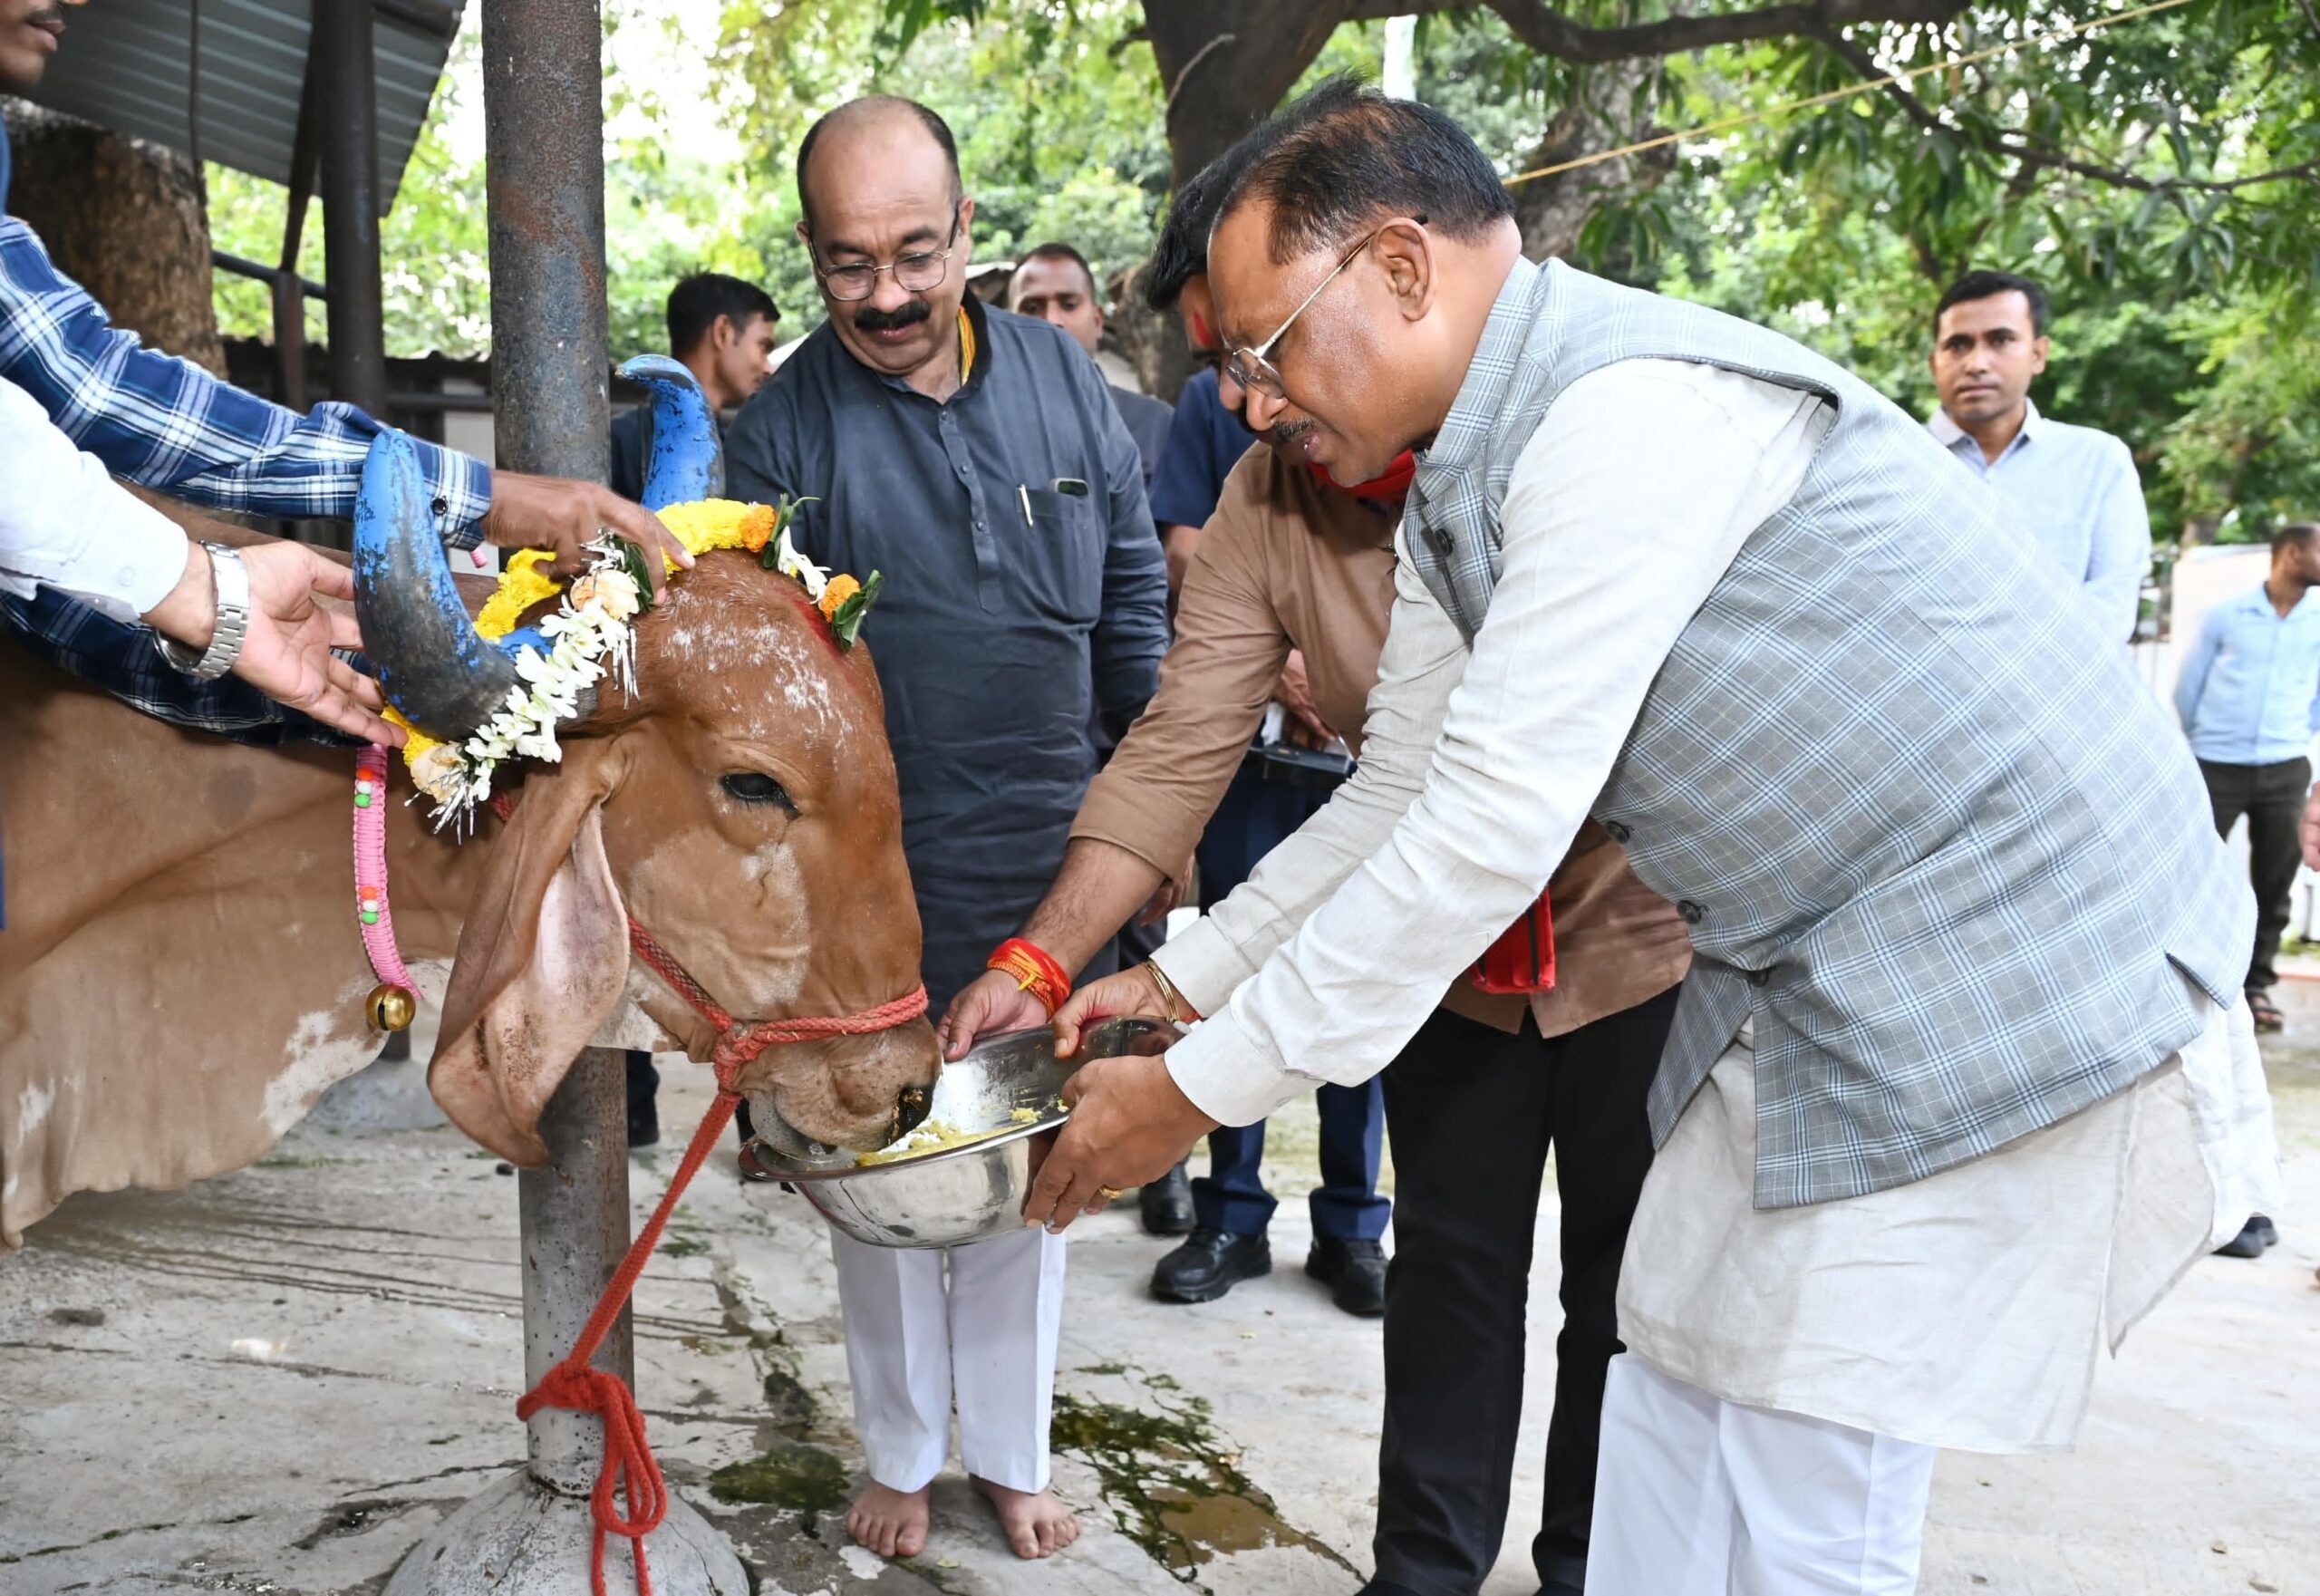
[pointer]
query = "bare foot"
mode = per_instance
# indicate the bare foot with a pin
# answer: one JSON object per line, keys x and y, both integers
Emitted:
{"x": 890, "y": 1523}
{"x": 1037, "y": 1523}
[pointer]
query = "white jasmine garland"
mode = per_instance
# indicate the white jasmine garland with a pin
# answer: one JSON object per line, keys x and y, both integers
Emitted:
{"x": 790, "y": 563}
{"x": 590, "y": 638}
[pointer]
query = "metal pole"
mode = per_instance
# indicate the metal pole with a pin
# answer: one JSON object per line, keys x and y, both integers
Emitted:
{"x": 544, "y": 148}
{"x": 573, "y": 1227}
{"x": 290, "y": 288}
{"x": 349, "y": 104}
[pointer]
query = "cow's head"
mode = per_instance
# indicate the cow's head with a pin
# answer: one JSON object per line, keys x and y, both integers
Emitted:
{"x": 740, "y": 805}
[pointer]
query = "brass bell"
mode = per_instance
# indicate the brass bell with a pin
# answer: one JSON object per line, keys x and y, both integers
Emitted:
{"x": 390, "y": 1007}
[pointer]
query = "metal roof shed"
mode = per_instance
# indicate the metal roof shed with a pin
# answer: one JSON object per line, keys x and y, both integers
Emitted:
{"x": 324, "y": 96}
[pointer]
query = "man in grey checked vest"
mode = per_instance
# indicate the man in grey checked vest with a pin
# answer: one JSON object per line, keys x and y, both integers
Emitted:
{"x": 1961, "y": 1080}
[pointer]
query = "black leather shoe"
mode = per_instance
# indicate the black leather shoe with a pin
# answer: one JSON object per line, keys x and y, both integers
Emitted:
{"x": 1355, "y": 1272}
{"x": 2249, "y": 1243}
{"x": 1210, "y": 1264}
{"x": 1166, "y": 1204}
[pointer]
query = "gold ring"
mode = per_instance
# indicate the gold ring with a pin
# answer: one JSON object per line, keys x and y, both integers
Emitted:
{"x": 1109, "y": 1194}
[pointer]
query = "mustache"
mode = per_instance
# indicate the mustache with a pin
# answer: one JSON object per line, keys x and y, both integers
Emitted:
{"x": 893, "y": 321}
{"x": 50, "y": 16}
{"x": 1287, "y": 432}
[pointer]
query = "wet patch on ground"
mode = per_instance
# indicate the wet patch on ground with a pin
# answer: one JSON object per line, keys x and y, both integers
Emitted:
{"x": 795, "y": 1474}
{"x": 1175, "y": 1485}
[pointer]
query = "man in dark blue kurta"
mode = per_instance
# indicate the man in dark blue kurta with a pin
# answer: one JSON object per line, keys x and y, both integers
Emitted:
{"x": 975, "y": 458}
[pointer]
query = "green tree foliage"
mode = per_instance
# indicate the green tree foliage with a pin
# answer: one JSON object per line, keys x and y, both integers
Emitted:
{"x": 2163, "y": 177}
{"x": 435, "y": 255}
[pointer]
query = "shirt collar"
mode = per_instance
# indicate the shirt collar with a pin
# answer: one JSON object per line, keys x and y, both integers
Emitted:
{"x": 975, "y": 347}
{"x": 1474, "y": 414}
{"x": 2258, "y": 601}
{"x": 1949, "y": 434}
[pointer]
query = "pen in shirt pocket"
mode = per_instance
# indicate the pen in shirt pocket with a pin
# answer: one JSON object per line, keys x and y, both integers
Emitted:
{"x": 1070, "y": 486}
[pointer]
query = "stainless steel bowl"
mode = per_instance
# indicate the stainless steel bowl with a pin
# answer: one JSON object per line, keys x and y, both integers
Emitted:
{"x": 970, "y": 1191}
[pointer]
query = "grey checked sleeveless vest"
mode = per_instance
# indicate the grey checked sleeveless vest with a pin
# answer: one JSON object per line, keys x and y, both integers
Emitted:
{"x": 1927, "y": 826}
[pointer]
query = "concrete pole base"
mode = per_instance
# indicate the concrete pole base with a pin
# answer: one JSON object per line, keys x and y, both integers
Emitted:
{"x": 521, "y": 1539}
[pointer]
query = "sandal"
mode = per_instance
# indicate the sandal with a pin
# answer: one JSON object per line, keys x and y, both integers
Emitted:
{"x": 2266, "y": 1012}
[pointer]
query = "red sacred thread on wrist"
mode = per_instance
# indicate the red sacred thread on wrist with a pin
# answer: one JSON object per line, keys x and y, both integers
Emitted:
{"x": 1033, "y": 970}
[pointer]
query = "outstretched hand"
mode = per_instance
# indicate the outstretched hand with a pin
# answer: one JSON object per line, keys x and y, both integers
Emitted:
{"x": 286, "y": 651}
{"x": 1129, "y": 1124}
{"x": 992, "y": 1003}
{"x": 565, "y": 517}
{"x": 1131, "y": 992}
{"x": 287, "y": 654}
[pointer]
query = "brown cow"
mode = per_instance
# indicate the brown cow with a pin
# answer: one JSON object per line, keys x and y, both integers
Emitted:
{"x": 182, "y": 972}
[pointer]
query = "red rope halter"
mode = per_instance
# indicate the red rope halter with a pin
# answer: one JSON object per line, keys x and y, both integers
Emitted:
{"x": 629, "y": 1464}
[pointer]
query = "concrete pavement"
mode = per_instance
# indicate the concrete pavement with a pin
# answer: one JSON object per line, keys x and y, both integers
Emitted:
{"x": 278, "y": 1380}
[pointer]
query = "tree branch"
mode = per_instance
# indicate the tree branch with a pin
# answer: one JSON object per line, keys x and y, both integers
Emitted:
{"x": 1863, "y": 62}
{"x": 1379, "y": 10}
{"x": 2024, "y": 150}
{"x": 1551, "y": 33}
{"x": 1184, "y": 75}
{"x": 2034, "y": 154}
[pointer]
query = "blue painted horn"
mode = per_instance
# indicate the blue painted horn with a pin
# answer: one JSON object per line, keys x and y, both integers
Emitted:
{"x": 684, "y": 456}
{"x": 433, "y": 666}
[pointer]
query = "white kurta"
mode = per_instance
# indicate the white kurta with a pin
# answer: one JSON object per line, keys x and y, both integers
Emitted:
{"x": 1966, "y": 1310}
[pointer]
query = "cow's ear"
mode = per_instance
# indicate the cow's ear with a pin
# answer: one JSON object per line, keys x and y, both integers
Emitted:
{"x": 543, "y": 956}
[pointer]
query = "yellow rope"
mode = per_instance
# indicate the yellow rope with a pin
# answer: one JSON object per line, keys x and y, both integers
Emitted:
{"x": 1849, "y": 91}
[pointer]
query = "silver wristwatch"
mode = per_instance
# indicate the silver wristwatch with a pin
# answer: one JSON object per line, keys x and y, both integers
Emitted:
{"x": 231, "y": 580}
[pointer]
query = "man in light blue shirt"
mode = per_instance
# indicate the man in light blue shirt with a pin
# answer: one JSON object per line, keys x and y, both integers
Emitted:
{"x": 2074, "y": 488}
{"x": 2250, "y": 699}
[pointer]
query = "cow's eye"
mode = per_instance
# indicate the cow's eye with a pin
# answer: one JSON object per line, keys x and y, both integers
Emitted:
{"x": 752, "y": 786}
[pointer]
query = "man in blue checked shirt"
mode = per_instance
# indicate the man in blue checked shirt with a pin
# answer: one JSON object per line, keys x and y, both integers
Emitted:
{"x": 165, "y": 424}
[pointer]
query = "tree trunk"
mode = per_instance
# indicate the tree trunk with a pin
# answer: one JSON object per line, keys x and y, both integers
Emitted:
{"x": 1601, "y": 114}
{"x": 1152, "y": 342}
{"x": 127, "y": 220}
{"x": 1225, "y": 64}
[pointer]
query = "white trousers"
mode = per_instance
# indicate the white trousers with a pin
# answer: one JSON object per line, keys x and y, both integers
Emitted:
{"x": 1698, "y": 1496}
{"x": 987, "y": 1335}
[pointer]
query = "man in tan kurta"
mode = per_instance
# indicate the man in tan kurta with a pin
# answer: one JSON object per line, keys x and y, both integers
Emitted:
{"x": 1481, "y": 1093}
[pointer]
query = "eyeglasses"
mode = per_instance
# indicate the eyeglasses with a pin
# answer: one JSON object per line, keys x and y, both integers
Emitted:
{"x": 914, "y": 272}
{"x": 1253, "y": 369}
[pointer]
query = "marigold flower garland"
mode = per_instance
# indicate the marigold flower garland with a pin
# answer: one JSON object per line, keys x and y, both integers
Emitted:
{"x": 591, "y": 636}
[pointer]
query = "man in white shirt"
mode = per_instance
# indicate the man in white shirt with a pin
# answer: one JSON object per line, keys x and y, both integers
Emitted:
{"x": 2075, "y": 486}
{"x": 65, "y": 524}
{"x": 1964, "y": 937}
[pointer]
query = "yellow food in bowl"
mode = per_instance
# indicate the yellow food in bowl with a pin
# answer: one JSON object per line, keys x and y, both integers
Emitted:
{"x": 934, "y": 1136}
